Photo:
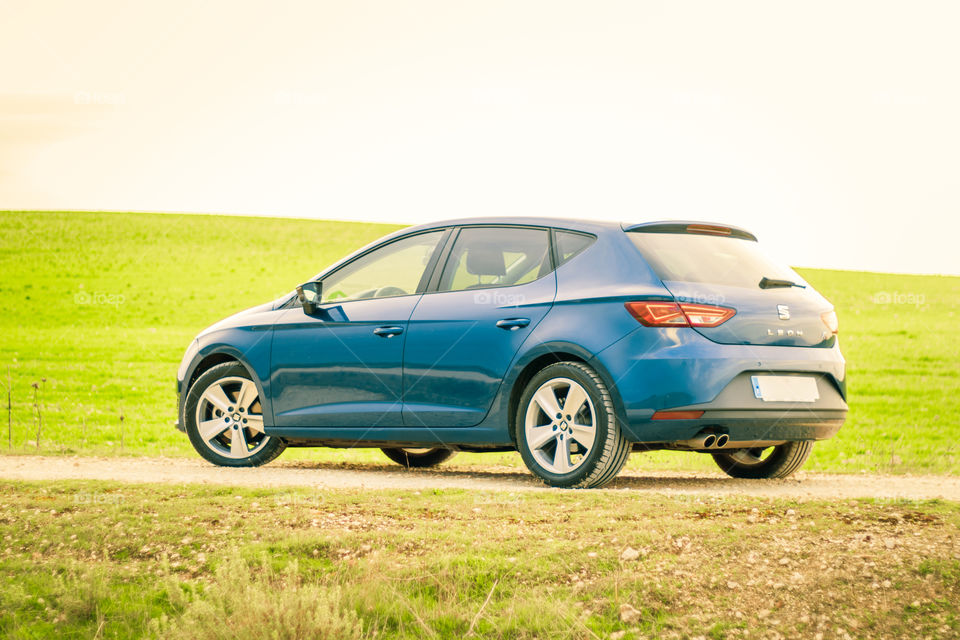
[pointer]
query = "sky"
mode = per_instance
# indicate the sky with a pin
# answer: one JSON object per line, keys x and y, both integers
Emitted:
{"x": 828, "y": 129}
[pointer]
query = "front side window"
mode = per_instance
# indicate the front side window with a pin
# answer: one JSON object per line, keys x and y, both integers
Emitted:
{"x": 392, "y": 270}
{"x": 485, "y": 257}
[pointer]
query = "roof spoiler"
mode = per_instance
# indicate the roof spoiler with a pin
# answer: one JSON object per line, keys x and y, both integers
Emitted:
{"x": 699, "y": 228}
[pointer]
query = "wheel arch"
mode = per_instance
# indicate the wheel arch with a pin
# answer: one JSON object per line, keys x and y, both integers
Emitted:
{"x": 207, "y": 360}
{"x": 545, "y": 355}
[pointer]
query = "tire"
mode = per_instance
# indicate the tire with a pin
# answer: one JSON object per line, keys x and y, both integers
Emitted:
{"x": 773, "y": 462}
{"x": 224, "y": 419}
{"x": 580, "y": 463}
{"x": 418, "y": 458}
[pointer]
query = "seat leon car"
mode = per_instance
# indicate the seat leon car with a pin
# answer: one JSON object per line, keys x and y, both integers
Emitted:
{"x": 573, "y": 342}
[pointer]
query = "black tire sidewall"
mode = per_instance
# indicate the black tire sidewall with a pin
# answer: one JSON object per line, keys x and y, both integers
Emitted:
{"x": 273, "y": 447}
{"x": 606, "y": 424}
{"x": 772, "y": 467}
{"x": 418, "y": 460}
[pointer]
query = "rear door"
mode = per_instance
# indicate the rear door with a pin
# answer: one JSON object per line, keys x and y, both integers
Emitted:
{"x": 496, "y": 284}
{"x": 721, "y": 266}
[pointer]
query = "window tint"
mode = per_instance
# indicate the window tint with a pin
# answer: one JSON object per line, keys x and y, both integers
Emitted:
{"x": 570, "y": 244}
{"x": 393, "y": 270}
{"x": 496, "y": 257}
{"x": 687, "y": 257}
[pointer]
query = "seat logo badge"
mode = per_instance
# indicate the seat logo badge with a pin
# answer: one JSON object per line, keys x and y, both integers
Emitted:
{"x": 783, "y": 311}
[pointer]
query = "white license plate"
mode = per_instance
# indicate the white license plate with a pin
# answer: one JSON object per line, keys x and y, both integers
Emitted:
{"x": 785, "y": 388}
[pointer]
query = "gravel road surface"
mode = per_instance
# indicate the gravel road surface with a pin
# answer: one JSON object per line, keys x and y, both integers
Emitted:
{"x": 803, "y": 485}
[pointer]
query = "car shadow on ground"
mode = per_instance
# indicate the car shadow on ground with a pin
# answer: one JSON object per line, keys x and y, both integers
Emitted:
{"x": 496, "y": 473}
{"x": 701, "y": 483}
{"x": 522, "y": 478}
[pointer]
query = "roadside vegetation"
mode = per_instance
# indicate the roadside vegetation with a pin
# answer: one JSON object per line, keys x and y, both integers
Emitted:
{"x": 105, "y": 560}
{"x": 98, "y": 308}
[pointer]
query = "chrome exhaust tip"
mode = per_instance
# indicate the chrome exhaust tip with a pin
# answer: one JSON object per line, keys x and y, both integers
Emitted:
{"x": 700, "y": 441}
{"x": 722, "y": 440}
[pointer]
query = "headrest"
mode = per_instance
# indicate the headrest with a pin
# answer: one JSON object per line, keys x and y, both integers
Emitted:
{"x": 485, "y": 261}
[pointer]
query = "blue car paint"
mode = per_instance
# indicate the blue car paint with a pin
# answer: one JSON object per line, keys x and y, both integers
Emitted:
{"x": 749, "y": 327}
{"x": 456, "y": 356}
{"x": 462, "y": 400}
{"x": 338, "y": 357}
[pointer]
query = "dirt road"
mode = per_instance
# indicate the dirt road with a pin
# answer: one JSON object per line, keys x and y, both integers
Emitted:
{"x": 810, "y": 486}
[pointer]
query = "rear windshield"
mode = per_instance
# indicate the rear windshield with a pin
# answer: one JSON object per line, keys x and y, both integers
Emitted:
{"x": 686, "y": 257}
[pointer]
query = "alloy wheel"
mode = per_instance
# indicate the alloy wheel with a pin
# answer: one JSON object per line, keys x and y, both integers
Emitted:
{"x": 230, "y": 418}
{"x": 560, "y": 425}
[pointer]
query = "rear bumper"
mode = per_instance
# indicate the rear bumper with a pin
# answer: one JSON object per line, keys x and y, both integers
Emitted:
{"x": 742, "y": 426}
{"x": 737, "y": 412}
{"x": 679, "y": 370}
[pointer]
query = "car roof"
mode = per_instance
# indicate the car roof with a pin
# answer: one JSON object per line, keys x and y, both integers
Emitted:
{"x": 575, "y": 224}
{"x": 592, "y": 226}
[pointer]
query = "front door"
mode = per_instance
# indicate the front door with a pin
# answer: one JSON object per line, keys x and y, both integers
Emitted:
{"x": 343, "y": 366}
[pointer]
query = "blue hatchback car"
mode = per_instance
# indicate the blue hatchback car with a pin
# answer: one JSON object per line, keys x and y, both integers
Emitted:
{"x": 573, "y": 342}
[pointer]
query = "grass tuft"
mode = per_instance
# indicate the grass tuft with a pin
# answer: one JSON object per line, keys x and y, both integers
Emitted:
{"x": 244, "y": 602}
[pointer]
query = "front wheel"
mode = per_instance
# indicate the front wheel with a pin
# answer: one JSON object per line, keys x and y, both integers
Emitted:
{"x": 764, "y": 462}
{"x": 224, "y": 419}
{"x": 418, "y": 458}
{"x": 567, "y": 430}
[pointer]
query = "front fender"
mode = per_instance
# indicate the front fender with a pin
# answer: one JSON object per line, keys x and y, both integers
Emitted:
{"x": 250, "y": 346}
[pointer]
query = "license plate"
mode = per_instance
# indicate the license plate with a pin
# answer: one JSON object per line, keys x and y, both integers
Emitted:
{"x": 785, "y": 388}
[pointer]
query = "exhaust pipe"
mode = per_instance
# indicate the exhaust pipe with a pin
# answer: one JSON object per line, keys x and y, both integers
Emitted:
{"x": 705, "y": 441}
{"x": 702, "y": 441}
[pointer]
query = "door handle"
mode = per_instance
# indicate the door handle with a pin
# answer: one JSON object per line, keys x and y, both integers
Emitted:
{"x": 387, "y": 332}
{"x": 512, "y": 324}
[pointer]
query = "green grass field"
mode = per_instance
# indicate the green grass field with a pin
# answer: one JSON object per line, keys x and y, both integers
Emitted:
{"x": 106, "y": 560}
{"x": 97, "y": 309}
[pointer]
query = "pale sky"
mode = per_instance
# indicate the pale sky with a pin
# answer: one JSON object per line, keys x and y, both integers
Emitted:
{"x": 831, "y": 130}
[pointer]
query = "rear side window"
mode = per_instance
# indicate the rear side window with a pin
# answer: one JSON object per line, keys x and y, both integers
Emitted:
{"x": 496, "y": 257}
{"x": 688, "y": 257}
{"x": 570, "y": 244}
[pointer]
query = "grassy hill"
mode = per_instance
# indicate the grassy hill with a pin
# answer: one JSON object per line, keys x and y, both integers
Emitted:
{"x": 97, "y": 309}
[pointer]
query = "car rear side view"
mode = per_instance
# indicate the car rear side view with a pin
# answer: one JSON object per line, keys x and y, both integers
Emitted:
{"x": 572, "y": 342}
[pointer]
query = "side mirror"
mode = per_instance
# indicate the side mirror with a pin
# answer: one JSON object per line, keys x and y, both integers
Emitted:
{"x": 309, "y": 296}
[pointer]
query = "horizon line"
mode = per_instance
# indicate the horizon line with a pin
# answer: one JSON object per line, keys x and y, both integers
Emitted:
{"x": 381, "y": 222}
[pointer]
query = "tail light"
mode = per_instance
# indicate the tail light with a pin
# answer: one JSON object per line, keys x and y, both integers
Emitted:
{"x": 683, "y": 314}
{"x": 658, "y": 314}
{"x": 704, "y": 315}
{"x": 830, "y": 319}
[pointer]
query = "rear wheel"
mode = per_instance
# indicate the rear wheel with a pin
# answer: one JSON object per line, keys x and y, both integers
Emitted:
{"x": 765, "y": 462}
{"x": 418, "y": 458}
{"x": 567, "y": 430}
{"x": 224, "y": 419}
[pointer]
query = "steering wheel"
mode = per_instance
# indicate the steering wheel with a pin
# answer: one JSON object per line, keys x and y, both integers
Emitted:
{"x": 383, "y": 292}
